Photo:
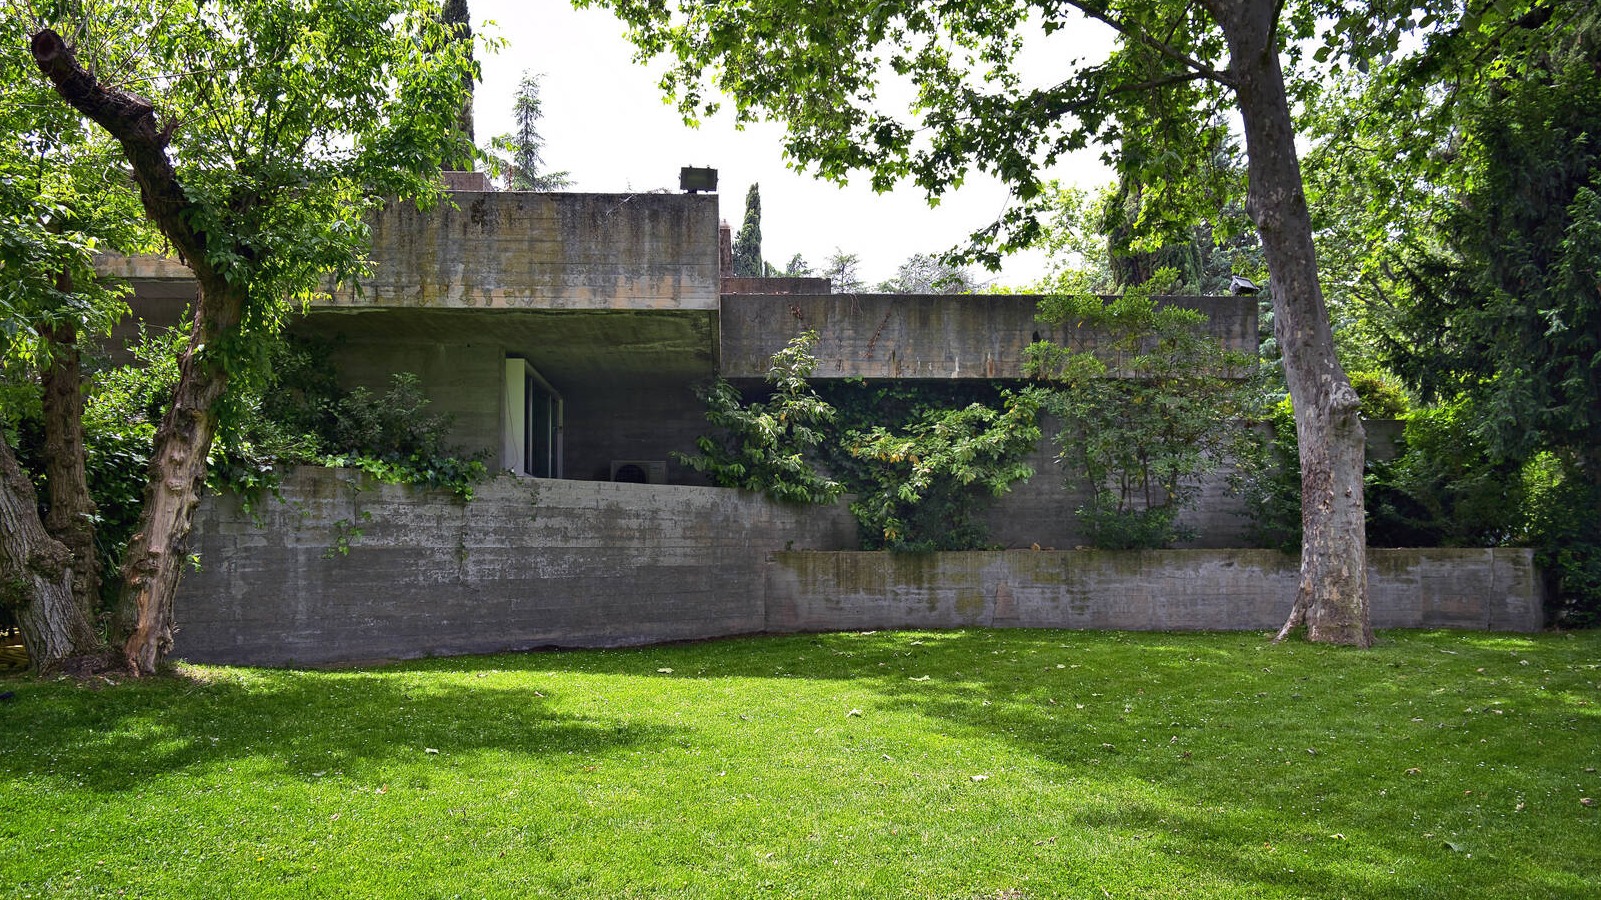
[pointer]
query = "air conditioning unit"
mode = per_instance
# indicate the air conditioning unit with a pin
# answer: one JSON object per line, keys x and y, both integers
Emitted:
{"x": 639, "y": 471}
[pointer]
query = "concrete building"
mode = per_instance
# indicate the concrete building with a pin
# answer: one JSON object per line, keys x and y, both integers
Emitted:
{"x": 565, "y": 334}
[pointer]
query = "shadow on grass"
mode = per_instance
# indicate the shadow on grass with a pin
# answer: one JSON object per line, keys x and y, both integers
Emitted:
{"x": 304, "y": 725}
{"x": 1277, "y": 770}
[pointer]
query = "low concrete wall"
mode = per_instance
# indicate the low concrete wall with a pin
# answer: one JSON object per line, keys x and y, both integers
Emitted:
{"x": 528, "y": 563}
{"x": 534, "y": 562}
{"x": 1180, "y": 590}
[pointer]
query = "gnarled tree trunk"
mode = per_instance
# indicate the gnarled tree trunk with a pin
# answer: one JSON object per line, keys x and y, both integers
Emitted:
{"x": 1332, "y": 597}
{"x": 157, "y": 552}
{"x": 36, "y": 575}
{"x": 70, "y": 517}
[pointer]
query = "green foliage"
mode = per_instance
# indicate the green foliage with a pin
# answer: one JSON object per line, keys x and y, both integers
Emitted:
{"x": 300, "y": 416}
{"x": 1267, "y": 477}
{"x": 122, "y": 407}
{"x": 1382, "y": 395}
{"x": 923, "y": 479}
{"x": 1505, "y": 308}
{"x": 1444, "y": 489}
{"x": 1564, "y": 508}
{"x": 767, "y": 447}
{"x": 1149, "y": 403}
{"x": 919, "y": 460}
{"x": 748, "y": 243}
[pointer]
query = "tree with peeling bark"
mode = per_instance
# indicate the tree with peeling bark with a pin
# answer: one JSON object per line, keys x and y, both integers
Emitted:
{"x": 63, "y": 196}
{"x": 1175, "y": 70}
{"x": 266, "y": 130}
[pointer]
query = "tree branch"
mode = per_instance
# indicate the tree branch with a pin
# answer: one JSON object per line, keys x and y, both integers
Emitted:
{"x": 1201, "y": 69}
{"x": 131, "y": 119}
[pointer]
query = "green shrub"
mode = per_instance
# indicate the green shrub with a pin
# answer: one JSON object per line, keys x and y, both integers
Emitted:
{"x": 920, "y": 458}
{"x": 769, "y": 447}
{"x": 1443, "y": 489}
{"x": 1564, "y": 528}
{"x": 1381, "y": 394}
{"x": 1149, "y": 405}
{"x": 922, "y": 483}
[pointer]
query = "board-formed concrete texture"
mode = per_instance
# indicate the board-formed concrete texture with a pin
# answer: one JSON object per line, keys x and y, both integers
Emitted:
{"x": 921, "y": 336}
{"x": 1162, "y": 590}
{"x": 342, "y": 569}
{"x": 517, "y": 250}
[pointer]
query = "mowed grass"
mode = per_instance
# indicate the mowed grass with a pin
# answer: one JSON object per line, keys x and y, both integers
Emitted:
{"x": 968, "y": 764}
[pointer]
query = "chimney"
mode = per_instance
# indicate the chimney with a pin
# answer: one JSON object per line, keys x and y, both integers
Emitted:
{"x": 725, "y": 242}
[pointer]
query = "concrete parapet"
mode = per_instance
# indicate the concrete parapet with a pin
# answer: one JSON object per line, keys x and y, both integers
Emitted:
{"x": 920, "y": 336}
{"x": 517, "y": 250}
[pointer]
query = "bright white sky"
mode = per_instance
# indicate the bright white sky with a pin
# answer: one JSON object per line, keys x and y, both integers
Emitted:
{"x": 605, "y": 123}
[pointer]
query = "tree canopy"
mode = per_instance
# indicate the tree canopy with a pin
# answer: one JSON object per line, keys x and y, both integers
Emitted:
{"x": 258, "y": 135}
{"x": 1158, "y": 101}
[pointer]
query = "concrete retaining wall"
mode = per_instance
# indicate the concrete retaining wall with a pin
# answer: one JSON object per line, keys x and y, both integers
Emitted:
{"x": 528, "y": 563}
{"x": 533, "y": 562}
{"x": 1180, "y": 590}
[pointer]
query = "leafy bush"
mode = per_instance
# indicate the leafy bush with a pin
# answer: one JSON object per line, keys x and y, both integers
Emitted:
{"x": 1149, "y": 404}
{"x": 921, "y": 459}
{"x": 1443, "y": 489}
{"x": 1267, "y": 477}
{"x": 769, "y": 447}
{"x": 1381, "y": 394}
{"x": 296, "y": 415}
{"x": 922, "y": 482}
{"x": 1564, "y": 528}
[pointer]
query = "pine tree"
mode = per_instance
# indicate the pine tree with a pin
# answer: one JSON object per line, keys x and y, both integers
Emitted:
{"x": 522, "y": 156}
{"x": 748, "y": 243}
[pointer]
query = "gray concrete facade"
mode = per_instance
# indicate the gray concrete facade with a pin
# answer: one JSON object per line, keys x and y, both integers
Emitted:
{"x": 935, "y": 336}
{"x": 342, "y": 569}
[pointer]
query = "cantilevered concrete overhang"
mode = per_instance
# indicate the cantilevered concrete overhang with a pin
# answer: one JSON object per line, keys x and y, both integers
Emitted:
{"x": 568, "y": 347}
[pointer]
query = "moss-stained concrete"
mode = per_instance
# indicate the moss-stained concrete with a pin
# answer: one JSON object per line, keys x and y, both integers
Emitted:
{"x": 1180, "y": 590}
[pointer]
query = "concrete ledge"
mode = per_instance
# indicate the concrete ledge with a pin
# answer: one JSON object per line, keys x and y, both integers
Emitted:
{"x": 1166, "y": 590}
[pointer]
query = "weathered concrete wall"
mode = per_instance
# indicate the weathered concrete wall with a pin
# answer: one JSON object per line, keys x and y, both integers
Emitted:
{"x": 513, "y": 250}
{"x": 1040, "y": 510}
{"x": 528, "y": 563}
{"x": 913, "y": 336}
{"x": 1184, "y": 590}
{"x": 533, "y": 562}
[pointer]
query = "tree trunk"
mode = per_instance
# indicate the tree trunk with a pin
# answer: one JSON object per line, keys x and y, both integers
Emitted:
{"x": 36, "y": 575}
{"x": 1332, "y": 595}
{"x": 70, "y": 518}
{"x": 158, "y": 550}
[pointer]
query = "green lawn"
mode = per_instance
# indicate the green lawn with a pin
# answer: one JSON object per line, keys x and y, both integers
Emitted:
{"x": 969, "y": 764}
